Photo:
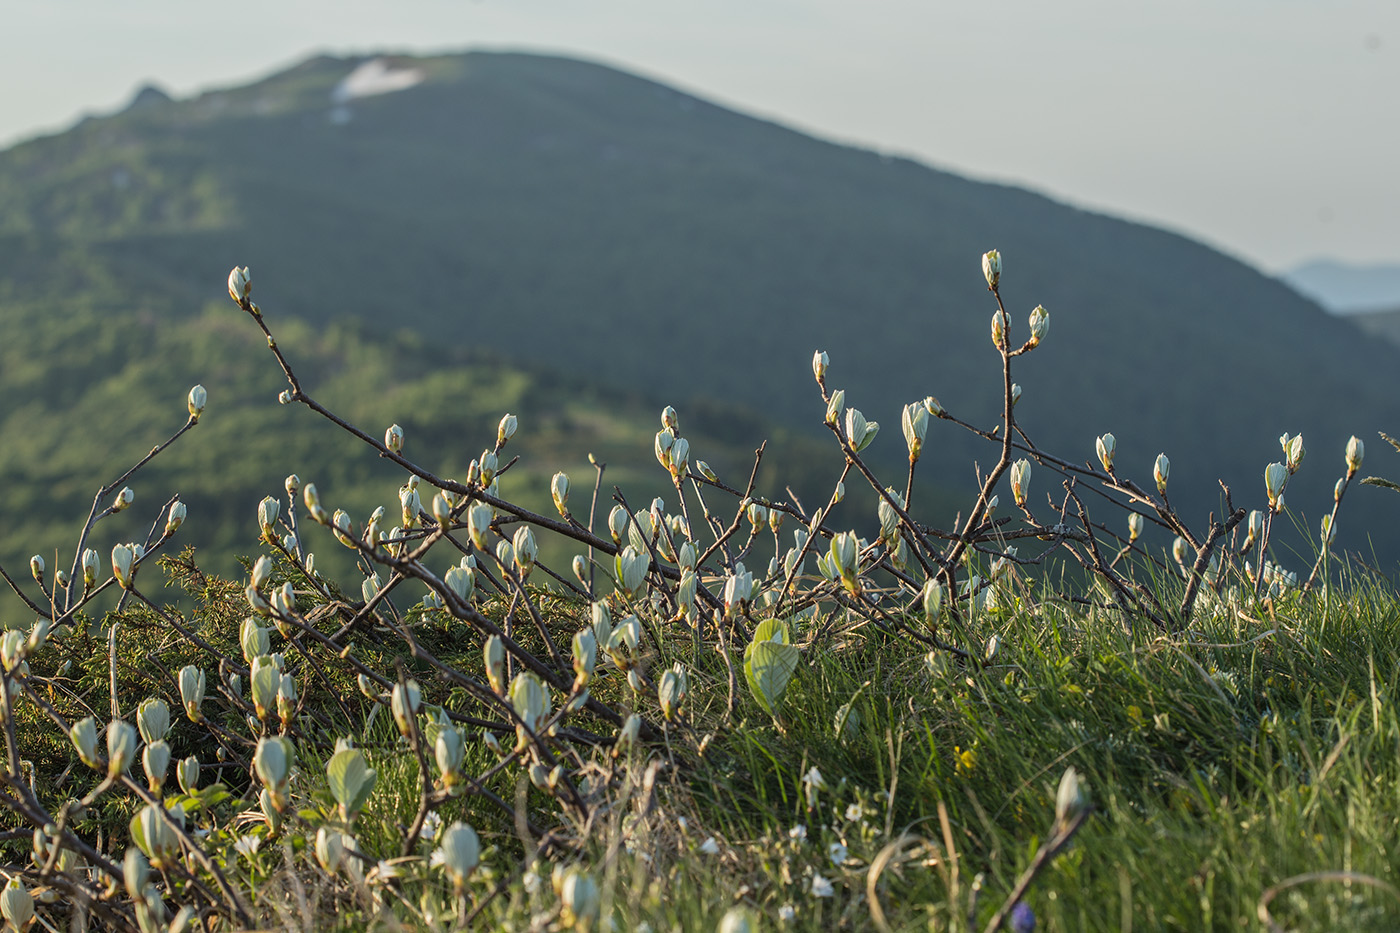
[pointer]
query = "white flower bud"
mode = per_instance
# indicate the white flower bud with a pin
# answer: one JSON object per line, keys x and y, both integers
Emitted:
{"x": 192, "y": 691}
{"x": 1356, "y": 452}
{"x": 187, "y": 774}
{"x": 1072, "y": 797}
{"x": 1020, "y": 481}
{"x": 393, "y": 438}
{"x": 122, "y": 557}
{"x": 83, "y": 733}
{"x": 526, "y": 550}
{"x": 1275, "y": 479}
{"x": 123, "y": 499}
{"x": 240, "y": 284}
{"x": 330, "y": 849}
{"x": 404, "y": 702}
{"x": 1160, "y": 471}
{"x": 671, "y": 690}
{"x": 448, "y": 751}
{"x": 1015, "y": 393}
{"x": 489, "y": 462}
{"x": 627, "y": 735}
{"x": 153, "y": 719}
{"x": 36, "y": 569}
{"x": 580, "y": 568}
{"x": 820, "y": 361}
{"x": 914, "y": 422}
{"x": 494, "y": 653}
{"x": 559, "y": 492}
{"x": 580, "y": 899}
{"x": 1039, "y": 325}
{"x": 176, "y": 517}
{"x": 529, "y": 697}
{"x": 999, "y": 324}
{"x": 1256, "y": 524}
{"x": 1135, "y": 523}
{"x": 669, "y": 419}
{"x": 991, "y": 267}
{"x": 1106, "y": 446}
{"x": 834, "y": 406}
{"x": 121, "y": 744}
{"x": 155, "y": 760}
{"x": 461, "y": 853}
{"x": 196, "y": 401}
{"x": 585, "y": 647}
{"x": 1294, "y": 453}
{"x": 506, "y": 430}
{"x": 933, "y": 600}
{"x": 17, "y": 904}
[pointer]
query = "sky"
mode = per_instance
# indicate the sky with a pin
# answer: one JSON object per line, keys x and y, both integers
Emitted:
{"x": 1265, "y": 128}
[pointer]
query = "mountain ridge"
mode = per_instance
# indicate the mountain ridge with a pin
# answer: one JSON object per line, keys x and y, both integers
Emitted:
{"x": 575, "y": 217}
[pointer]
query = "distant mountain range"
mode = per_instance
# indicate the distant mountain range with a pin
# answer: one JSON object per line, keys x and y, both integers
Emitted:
{"x": 1347, "y": 288}
{"x": 452, "y": 236}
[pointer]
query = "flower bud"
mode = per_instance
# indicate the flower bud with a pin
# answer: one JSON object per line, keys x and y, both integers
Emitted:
{"x": 410, "y": 504}
{"x": 1020, "y": 481}
{"x": 176, "y": 517}
{"x": 559, "y": 492}
{"x": 1071, "y": 799}
{"x": 1338, "y": 489}
{"x": 999, "y": 323}
{"x": 196, "y": 401}
{"x": 461, "y": 853}
{"x": 579, "y": 899}
{"x": 1106, "y": 446}
{"x": 494, "y": 654}
{"x": 529, "y": 697}
{"x": 121, "y": 565}
{"x": 991, "y": 267}
{"x": 1294, "y": 453}
{"x": 1329, "y": 530}
{"x": 680, "y": 458}
{"x": 820, "y": 361}
{"x": 585, "y": 647}
{"x": 393, "y": 438}
{"x": 1135, "y": 523}
{"x": 669, "y": 419}
{"x": 631, "y": 567}
{"x": 121, "y": 744}
{"x": 1356, "y": 452}
{"x": 84, "y": 736}
{"x": 834, "y": 406}
{"x": 240, "y": 284}
{"x": 448, "y": 752}
{"x": 705, "y": 471}
{"x": 155, "y": 759}
{"x": 506, "y": 430}
{"x": 253, "y": 639}
{"x": 36, "y": 569}
{"x": 1256, "y": 524}
{"x": 479, "y": 525}
{"x": 914, "y": 422}
{"x": 1039, "y": 325}
{"x": 671, "y": 689}
{"x": 859, "y": 431}
{"x": 330, "y": 849}
{"x": 404, "y": 702}
{"x": 123, "y": 499}
{"x": 153, "y": 719}
{"x": 628, "y": 734}
{"x": 1275, "y": 479}
{"x": 17, "y": 904}
{"x": 1180, "y": 549}
{"x": 526, "y": 550}
{"x": 187, "y": 774}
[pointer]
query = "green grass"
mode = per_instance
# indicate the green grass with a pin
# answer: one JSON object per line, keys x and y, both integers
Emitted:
{"x": 1221, "y": 763}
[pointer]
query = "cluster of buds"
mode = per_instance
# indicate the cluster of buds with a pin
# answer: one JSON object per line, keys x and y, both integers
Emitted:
{"x": 1293, "y": 452}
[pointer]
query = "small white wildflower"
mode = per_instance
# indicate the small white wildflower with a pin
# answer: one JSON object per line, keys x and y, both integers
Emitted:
{"x": 854, "y": 812}
{"x": 812, "y": 782}
{"x": 247, "y": 846}
{"x": 709, "y": 846}
{"x": 837, "y": 853}
{"x": 798, "y": 833}
{"x": 431, "y": 824}
{"x": 787, "y": 913}
{"x": 821, "y": 887}
{"x": 532, "y": 882}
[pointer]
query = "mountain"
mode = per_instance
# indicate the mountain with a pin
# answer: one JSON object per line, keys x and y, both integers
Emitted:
{"x": 1384, "y": 324}
{"x": 592, "y": 229}
{"x": 1347, "y": 288}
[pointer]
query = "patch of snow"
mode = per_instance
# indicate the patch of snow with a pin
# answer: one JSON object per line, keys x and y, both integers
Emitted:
{"x": 374, "y": 77}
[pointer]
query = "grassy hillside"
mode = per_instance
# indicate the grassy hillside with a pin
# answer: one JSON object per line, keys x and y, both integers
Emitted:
{"x": 576, "y": 220}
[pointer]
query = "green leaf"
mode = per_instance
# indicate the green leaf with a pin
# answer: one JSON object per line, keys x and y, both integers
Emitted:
{"x": 351, "y": 781}
{"x": 769, "y": 663}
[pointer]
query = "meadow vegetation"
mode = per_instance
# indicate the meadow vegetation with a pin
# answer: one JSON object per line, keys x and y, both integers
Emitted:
{"x": 709, "y": 707}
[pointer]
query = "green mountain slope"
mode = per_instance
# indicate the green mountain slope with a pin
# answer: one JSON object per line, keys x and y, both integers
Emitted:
{"x": 577, "y": 220}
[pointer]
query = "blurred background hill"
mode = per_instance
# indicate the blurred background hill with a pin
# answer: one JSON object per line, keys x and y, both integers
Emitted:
{"x": 437, "y": 241}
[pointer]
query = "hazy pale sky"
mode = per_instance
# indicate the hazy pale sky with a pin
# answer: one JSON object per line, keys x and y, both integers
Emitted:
{"x": 1266, "y": 128}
